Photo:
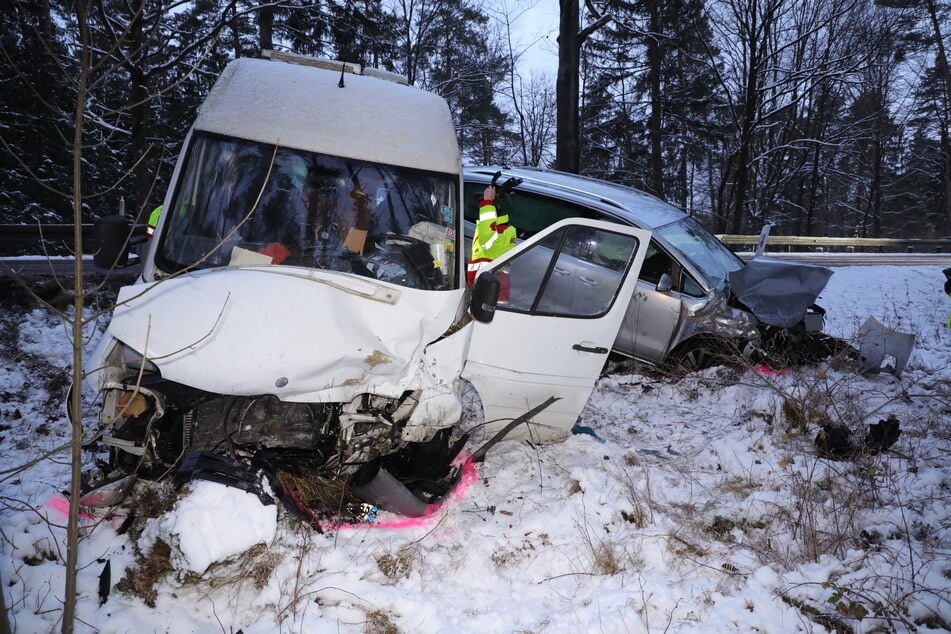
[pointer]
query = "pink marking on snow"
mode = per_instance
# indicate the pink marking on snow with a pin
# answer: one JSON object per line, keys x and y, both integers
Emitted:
{"x": 60, "y": 504}
{"x": 765, "y": 369}
{"x": 469, "y": 477}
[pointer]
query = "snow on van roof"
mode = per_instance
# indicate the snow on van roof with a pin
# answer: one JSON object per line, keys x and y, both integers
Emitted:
{"x": 303, "y": 107}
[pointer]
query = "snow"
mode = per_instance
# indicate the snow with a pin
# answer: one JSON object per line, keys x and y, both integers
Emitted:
{"x": 201, "y": 528}
{"x": 705, "y": 510}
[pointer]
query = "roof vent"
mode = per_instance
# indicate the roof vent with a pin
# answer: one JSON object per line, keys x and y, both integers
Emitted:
{"x": 335, "y": 65}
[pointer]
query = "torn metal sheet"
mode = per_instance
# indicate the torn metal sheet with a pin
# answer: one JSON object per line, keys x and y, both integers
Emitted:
{"x": 717, "y": 317}
{"x": 877, "y": 343}
{"x": 778, "y": 292}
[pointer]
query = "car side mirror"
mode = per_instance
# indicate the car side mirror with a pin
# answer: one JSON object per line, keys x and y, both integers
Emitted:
{"x": 485, "y": 297}
{"x": 664, "y": 284}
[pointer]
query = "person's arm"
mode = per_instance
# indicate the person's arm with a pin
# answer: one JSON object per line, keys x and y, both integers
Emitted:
{"x": 487, "y": 215}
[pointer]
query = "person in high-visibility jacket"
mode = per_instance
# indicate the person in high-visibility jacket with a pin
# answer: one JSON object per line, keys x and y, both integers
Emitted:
{"x": 493, "y": 236}
{"x": 153, "y": 221}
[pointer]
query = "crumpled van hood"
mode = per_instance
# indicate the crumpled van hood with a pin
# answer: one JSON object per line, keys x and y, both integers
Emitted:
{"x": 307, "y": 336}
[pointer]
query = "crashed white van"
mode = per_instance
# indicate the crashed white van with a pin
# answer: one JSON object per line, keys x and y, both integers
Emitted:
{"x": 302, "y": 309}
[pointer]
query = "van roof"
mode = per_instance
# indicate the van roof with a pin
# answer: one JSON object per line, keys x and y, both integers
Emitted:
{"x": 304, "y": 107}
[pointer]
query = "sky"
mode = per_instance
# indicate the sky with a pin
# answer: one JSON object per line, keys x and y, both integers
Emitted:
{"x": 535, "y": 30}
{"x": 698, "y": 505}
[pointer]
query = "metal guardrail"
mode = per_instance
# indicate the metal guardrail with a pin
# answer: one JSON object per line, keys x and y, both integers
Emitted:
{"x": 908, "y": 245}
{"x": 47, "y": 239}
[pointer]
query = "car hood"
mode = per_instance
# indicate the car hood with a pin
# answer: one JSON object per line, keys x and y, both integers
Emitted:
{"x": 777, "y": 291}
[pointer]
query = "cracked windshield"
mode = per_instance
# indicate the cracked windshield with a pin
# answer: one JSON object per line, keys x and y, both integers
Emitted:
{"x": 246, "y": 203}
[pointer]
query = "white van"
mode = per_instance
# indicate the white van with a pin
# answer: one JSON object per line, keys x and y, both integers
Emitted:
{"x": 302, "y": 305}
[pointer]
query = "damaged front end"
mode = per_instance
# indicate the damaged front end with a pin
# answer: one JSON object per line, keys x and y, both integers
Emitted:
{"x": 764, "y": 313}
{"x": 377, "y": 422}
{"x": 782, "y": 296}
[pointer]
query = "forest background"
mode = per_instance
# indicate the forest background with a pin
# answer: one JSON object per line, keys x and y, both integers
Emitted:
{"x": 822, "y": 117}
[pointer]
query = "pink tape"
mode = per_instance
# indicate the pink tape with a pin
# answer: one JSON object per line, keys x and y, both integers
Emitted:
{"x": 60, "y": 503}
{"x": 765, "y": 369}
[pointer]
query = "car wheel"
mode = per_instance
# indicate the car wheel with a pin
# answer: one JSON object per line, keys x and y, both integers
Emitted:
{"x": 698, "y": 354}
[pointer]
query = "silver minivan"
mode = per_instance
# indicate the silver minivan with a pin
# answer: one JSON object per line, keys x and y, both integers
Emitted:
{"x": 681, "y": 313}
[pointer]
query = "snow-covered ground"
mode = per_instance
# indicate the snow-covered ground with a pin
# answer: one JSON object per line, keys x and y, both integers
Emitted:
{"x": 699, "y": 507}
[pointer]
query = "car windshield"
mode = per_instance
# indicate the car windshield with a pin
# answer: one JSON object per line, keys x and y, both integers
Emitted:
{"x": 241, "y": 202}
{"x": 709, "y": 256}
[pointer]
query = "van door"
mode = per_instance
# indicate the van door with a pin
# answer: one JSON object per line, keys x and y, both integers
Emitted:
{"x": 568, "y": 289}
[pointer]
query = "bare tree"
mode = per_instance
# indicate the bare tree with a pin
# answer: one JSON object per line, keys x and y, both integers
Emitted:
{"x": 532, "y": 103}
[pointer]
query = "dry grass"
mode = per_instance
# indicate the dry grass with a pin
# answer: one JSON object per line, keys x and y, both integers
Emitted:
{"x": 379, "y": 622}
{"x": 399, "y": 566}
{"x": 149, "y": 570}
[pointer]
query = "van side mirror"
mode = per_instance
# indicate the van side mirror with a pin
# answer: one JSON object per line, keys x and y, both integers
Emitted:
{"x": 665, "y": 283}
{"x": 113, "y": 236}
{"x": 485, "y": 297}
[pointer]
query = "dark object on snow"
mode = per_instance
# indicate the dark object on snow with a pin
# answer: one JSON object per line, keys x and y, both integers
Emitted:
{"x": 837, "y": 442}
{"x": 882, "y": 435}
{"x": 778, "y": 292}
{"x": 947, "y": 281}
{"x": 584, "y": 429}
{"x": 105, "y": 582}
{"x": 204, "y": 465}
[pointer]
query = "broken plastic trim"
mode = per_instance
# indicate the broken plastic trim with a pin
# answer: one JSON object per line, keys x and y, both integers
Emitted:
{"x": 876, "y": 342}
{"x": 378, "y": 487}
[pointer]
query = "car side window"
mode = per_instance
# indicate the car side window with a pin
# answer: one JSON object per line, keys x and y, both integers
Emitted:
{"x": 691, "y": 287}
{"x": 528, "y": 213}
{"x": 656, "y": 263}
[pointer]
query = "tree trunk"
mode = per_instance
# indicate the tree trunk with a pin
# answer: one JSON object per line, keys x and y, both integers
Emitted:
{"x": 75, "y": 401}
{"x": 941, "y": 67}
{"x": 653, "y": 77}
{"x": 235, "y": 29}
{"x": 5, "y": 627}
{"x": 266, "y": 27}
{"x": 143, "y": 175}
{"x": 567, "y": 132}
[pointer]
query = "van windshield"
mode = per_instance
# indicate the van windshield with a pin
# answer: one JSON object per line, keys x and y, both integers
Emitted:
{"x": 710, "y": 257}
{"x": 240, "y": 202}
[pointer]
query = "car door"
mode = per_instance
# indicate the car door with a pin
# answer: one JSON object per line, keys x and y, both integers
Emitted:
{"x": 570, "y": 286}
{"x": 653, "y": 315}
